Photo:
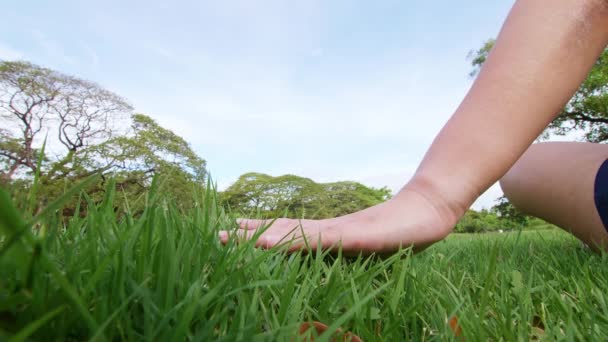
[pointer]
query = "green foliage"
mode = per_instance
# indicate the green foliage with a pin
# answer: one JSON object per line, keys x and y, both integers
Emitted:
{"x": 586, "y": 112}
{"x": 164, "y": 276}
{"x": 501, "y": 217}
{"x": 479, "y": 57}
{"x": 154, "y": 147}
{"x": 479, "y": 222}
{"x": 150, "y": 150}
{"x": 298, "y": 197}
{"x": 506, "y": 211}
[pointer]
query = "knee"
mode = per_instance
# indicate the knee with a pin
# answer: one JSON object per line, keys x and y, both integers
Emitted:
{"x": 515, "y": 182}
{"x": 512, "y": 186}
{"x": 509, "y": 183}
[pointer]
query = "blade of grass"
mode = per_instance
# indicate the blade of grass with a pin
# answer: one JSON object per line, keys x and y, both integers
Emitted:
{"x": 11, "y": 221}
{"x": 70, "y": 292}
{"x": 347, "y": 315}
{"x": 31, "y": 328}
{"x": 99, "y": 332}
{"x": 34, "y": 188}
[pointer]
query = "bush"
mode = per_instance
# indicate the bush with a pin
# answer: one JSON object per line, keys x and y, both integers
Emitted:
{"x": 484, "y": 221}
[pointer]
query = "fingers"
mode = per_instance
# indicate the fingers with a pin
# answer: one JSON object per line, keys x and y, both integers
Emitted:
{"x": 266, "y": 240}
{"x": 293, "y": 240}
{"x": 224, "y": 236}
{"x": 247, "y": 228}
{"x": 295, "y": 234}
{"x": 250, "y": 223}
{"x": 274, "y": 233}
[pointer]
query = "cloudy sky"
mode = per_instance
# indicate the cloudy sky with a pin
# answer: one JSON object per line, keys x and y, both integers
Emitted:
{"x": 330, "y": 90}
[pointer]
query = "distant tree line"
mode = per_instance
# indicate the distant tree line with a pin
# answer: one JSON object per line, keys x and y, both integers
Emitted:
{"x": 257, "y": 194}
{"x": 501, "y": 217}
{"x": 297, "y": 197}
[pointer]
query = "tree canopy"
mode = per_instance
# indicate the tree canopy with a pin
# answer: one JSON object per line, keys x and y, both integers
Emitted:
{"x": 586, "y": 112}
{"x": 91, "y": 130}
{"x": 38, "y": 101}
{"x": 298, "y": 197}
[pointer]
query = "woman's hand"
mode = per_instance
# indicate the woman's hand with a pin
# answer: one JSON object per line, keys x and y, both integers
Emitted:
{"x": 409, "y": 218}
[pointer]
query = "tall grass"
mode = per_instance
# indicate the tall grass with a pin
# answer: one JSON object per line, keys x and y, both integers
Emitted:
{"x": 163, "y": 275}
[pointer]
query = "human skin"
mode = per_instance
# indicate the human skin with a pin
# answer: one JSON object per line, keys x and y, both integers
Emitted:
{"x": 556, "y": 182}
{"x": 542, "y": 54}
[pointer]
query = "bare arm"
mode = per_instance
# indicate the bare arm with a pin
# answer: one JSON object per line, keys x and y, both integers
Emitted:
{"x": 544, "y": 51}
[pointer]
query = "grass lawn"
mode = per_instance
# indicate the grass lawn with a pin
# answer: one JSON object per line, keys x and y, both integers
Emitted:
{"x": 164, "y": 276}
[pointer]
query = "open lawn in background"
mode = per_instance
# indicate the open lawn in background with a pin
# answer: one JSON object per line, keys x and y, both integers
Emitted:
{"x": 162, "y": 275}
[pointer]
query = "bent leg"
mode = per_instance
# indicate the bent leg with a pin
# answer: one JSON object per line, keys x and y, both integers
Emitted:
{"x": 555, "y": 181}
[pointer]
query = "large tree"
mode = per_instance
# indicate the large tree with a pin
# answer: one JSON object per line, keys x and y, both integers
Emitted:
{"x": 505, "y": 210}
{"x": 298, "y": 197}
{"x": 36, "y": 100}
{"x": 90, "y": 130}
{"x": 586, "y": 112}
{"x": 147, "y": 150}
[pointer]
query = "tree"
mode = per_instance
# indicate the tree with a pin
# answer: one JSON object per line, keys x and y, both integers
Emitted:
{"x": 298, "y": 197}
{"x": 479, "y": 57}
{"x": 88, "y": 124}
{"x": 280, "y": 196}
{"x": 149, "y": 150}
{"x": 348, "y": 197}
{"x": 470, "y": 222}
{"x": 36, "y": 100}
{"x": 132, "y": 160}
{"x": 491, "y": 220}
{"x": 506, "y": 211}
{"x": 586, "y": 112}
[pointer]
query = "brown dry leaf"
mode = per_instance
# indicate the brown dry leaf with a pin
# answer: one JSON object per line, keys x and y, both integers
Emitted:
{"x": 321, "y": 328}
{"x": 453, "y": 322}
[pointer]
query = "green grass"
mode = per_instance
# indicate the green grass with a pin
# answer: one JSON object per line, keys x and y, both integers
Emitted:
{"x": 164, "y": 276}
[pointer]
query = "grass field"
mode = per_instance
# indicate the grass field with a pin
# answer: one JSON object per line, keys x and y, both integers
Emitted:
{"x": 164, "y": 276}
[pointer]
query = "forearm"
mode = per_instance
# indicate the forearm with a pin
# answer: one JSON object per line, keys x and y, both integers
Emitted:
{"x": 543, "y": 53}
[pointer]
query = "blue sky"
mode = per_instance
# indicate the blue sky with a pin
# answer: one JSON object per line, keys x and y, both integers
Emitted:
{"x": 330, "y": 90}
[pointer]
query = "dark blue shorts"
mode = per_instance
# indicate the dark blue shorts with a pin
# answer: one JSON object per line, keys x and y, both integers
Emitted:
{"x": 601, "y": 193}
